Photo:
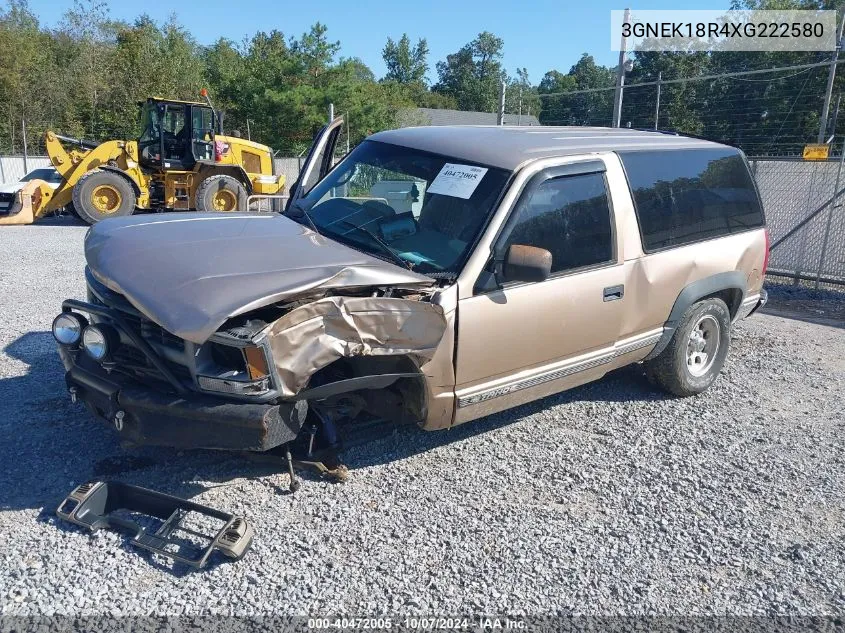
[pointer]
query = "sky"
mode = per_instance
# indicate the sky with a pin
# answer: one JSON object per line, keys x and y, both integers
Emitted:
{"x": 539, "y": 35}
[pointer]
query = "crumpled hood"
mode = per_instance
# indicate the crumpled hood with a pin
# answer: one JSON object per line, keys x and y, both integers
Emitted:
{"x": 190, "y": 272}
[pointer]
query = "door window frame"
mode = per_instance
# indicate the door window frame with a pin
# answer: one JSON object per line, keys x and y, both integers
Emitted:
{"x": 555, "y": 172}
{"x": 325, "y": 140}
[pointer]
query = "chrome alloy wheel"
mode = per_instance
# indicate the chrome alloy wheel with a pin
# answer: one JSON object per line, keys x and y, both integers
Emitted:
{"x": 703, "y": 345}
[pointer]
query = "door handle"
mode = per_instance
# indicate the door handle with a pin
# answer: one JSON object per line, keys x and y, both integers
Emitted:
{"x": 612, "y": 293}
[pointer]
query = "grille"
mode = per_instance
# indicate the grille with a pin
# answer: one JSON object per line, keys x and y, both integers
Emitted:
{"x": 85, "y": 488}
{"x": 6, "y": 202}
{"x": 131, "y": 360}
{"x": 153, "y": 333}
{"x": 129, "y": 356}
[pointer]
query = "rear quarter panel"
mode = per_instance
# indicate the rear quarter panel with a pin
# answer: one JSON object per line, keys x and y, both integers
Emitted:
{"x": 654, "y": 280}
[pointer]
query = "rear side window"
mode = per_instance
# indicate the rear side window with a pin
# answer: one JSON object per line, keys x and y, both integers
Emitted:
{"x": 690, "y": 195}
{"x": 570, "y": 217}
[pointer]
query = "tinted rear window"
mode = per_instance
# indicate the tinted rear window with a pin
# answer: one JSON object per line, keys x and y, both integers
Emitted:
{"x": 686, "y": 196}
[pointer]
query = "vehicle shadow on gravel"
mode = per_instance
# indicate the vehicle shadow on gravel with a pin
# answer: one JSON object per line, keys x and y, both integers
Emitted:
{"x": 819, "y": 307}
{"x": 65, "y": 219}
{"x": 53, "y": 445}
{"x": 623, "y": 385}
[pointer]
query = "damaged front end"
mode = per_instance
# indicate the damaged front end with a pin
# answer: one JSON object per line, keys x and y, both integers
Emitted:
{"x": 280, "y": 373}
{"x": 158, "y": 389}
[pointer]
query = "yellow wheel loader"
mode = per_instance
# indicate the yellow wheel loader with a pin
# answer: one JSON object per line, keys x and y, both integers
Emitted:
{"x": 180, "y": 162}
{"x": 27, "y": 204}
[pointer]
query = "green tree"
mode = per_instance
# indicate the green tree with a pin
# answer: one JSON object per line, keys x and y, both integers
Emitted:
{"x": 521, "y": 97}
{"x": 89, "y": 36}
{"x": 406, "y": 64}
{"x": 579, "y": 108}
{"x": 314, "y": 52}
{"x": 148, "y": 60}
{"x": 473, "y": 76}
{"x": 25, "y": 72}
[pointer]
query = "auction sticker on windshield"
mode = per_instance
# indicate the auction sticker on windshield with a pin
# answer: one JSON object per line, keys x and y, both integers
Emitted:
{"x": 458, "y": 181}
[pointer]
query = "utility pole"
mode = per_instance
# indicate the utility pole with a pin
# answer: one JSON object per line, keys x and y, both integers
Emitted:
{"x": 835, "y": 118}
{"x": 519, "y": 119}
{"x": 500, "y": 120}
{"x": 831, "y": 75}
{"x": 25, "y": 155}
{"x": 331, "y": 113}
{"x": 657, "y": 100}
{"x": 248, "y": 133}
{"x": 620, "y": 76}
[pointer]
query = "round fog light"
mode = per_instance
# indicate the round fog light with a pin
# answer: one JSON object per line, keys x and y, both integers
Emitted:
{"x": 67, "y": 328}
{"x": 96, "y": 342}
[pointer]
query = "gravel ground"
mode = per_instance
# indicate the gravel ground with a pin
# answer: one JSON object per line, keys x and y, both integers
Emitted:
{"x": 609, "y": 499}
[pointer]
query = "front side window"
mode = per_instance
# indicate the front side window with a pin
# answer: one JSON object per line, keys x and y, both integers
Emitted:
{"x": 405, "y": 204}
{"x": 174, "y": 119}
{"x": 175, "y": 133}
{"x": 202, "y": 132}
{"x": 150, "y": 124}
{"x": 689, "y": 195}
{"x": 568, "y": 216}
{"x": 202, "y": 124}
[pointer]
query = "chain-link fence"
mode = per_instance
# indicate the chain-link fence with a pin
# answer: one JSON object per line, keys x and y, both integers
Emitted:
{"x": 804, "y": 213}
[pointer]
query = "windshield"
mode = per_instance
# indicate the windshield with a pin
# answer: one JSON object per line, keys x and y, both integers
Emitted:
{"x": 45, "y": 173}
{"x": 405, "y": 205}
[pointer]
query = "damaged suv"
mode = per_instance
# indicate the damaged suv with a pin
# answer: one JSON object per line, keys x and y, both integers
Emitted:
{"x": 434, "y": 275}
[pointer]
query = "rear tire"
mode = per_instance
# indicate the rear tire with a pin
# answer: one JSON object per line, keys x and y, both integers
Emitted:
{"x": 692, "y": 360}
{"x": 220, "y": 194}
{"x": 101, "y": 194}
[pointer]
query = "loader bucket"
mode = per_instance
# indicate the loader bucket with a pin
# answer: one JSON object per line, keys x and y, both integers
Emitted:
{"x": 30, "y": 203}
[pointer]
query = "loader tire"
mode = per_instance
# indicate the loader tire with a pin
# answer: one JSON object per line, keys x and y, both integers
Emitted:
{"x": 103, "y": 194}
{"x": 220, "y": 193}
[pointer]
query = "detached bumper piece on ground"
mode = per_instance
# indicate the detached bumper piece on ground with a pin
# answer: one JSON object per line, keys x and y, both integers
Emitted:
{"x": 184, "y": 531}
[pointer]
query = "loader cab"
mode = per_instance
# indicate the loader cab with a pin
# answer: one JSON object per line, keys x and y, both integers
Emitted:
{"x": 176, "y": 134}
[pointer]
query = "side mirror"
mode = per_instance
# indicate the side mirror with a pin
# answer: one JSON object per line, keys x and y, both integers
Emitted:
{"x": 526, "y": 263}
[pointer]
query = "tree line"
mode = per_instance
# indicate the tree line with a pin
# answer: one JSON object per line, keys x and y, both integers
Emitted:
{"x": 85, "y": 77}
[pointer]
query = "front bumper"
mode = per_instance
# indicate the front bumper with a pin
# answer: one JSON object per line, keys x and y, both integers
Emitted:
{"x": 144, "y": 416}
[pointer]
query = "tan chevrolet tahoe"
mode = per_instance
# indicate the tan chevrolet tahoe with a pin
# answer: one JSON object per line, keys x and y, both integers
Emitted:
{"x": 434, "y": 275}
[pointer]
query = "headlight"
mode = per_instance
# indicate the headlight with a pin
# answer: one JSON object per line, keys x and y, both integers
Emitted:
{"x": 99, "y": 341}
{"x": 67, "y": 328}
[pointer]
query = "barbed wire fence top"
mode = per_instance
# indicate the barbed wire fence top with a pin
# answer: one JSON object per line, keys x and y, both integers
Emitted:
{"x": 766, "y": 111}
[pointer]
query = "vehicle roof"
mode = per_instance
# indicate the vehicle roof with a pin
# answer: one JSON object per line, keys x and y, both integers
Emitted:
{"x": 508, "y": 147}
{"x": 199, "y": 103}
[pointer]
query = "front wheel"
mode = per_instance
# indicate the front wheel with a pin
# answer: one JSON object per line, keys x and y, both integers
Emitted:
{"x": 695, "y": 355}
{"x": 101, "y": 194}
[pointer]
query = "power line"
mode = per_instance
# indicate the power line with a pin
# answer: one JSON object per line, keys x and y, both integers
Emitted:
{"x": 700, "y": 78}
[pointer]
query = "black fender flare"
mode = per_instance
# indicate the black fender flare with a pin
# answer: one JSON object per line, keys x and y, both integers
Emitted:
{"x": 124, "y": 175}
{"x": 696, "y": 291}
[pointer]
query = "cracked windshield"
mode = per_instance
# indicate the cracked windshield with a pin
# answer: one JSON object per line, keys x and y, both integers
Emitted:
{"x": 415, "y": 208}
